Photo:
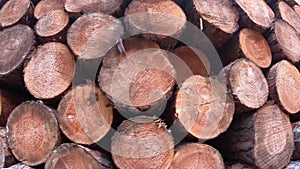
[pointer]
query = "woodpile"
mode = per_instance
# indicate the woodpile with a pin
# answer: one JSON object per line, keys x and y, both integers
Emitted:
{"x": 101, "y": 84}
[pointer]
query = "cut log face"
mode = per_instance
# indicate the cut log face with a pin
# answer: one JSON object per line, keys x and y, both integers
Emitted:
{"x": 123, "y": 75}
{"x": 196, "y": 155}
{"x": 93, "y": 34}
{"x": 45, "y": 6}
{"x": 15, "y": 45}
{"x": 156, "y": 20}
{"x": 289, "y": 15}
{"x": 142, "y": 142}
{"x": 203, "y": 107}
{"x": 258, "y": 12}
{"x": 13, "y": 11}
{"x": 84, "y": 115}
{"x": 70, "y": 155}
{"x": 284, "y": 83}
{"x": 103, "y": 6}
{"x": 249, "y": 44}
{"x": 32, "y": 132}
{"x": 50, "y": 71}
{"x": 52, "y": 24}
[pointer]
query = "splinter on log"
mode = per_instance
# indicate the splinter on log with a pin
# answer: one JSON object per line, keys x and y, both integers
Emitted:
{"x": 93, "y": 34}
{"x": 32, "y": 132}
{"x": 53, "y": 26}
{"x": 263, "y": 139}
{"x": 194, "y": 59}
{"x": 45, "y": 6}
{"x": 296, "y": 130}
{"x": 203, "y": 107}
{"x": 50, "y": 71}
{"x": 249, "y": 44}
{"x": 217, "y": 18}
{"x": 247, "y": 84}
{"x": 16, "y": 11}
{"x": 142, "y": 142}
{"x": 161, "y": 21}
{"x": 70, "y": 155}
{"x": 9, "y": 159}
{"x": 297, "y": 10}
{"x": 284, "y": 42}
{"x": 137, "y": 79}
{"x": 84, "y": 115}
{"x": 15, "y": 45}
{"x": 284, "y": 85}
{"x": 256, "y": 14}
{"x": 196, "y": 155}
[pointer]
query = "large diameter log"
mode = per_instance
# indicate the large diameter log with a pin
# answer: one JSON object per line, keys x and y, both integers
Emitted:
{"x": 142, "y": 142}
{"x": 139, "y": 79}
{"x": 15, "y": 45}
{"x": 203, "y": 107}
{"x": 69, "y": 155}
{"x": 196, "y": 155}
{"x": 84, "y": 114}
{"x": 247, "y": 84}
{"x": 284, "y": 85}
{"x": 164, "y": 24}
{"x": 49, "y": 71}
{"x": 32, "y": 132}
{"x": 16, "y": 11}
{"x": 248, "y": 44}
{"x": 217, "y": 18}
{"x": 6, "y": 154}
{"x": 284, "y": 42}
{"x": 45, "y": 6}
{"x": 263, "y": 139}
{"x": 256, "y": 14}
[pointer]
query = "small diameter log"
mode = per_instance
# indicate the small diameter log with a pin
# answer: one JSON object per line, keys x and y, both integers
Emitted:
{"x": 293, "y": 165}
{"x": 239, "y": 166}
{"x": 246, "y": 83}
{"x": 53, "y": 26}
{"x": 16, "y": 11}
{"x": 84, "y": 115}
{"x": 297, "y": 10}
{"x": 248, "y": 44}
{"x": 93, "y": 34}
{"x": 203, "y": 107}
{"x": 161, "y": 21}
{"x": 70, "y": 155}
{"x": 32, "y": 132}
{"x": 50, "y": 70}
{"x": 19, "y": 166}
{"x": 139, "y": 79}
{"x": 194, "y": 59}
{"x": 218, "y": 19}
{"x": 263, "y": 139}
{"x": 196, "y": 155}
{"x": 15, "y": 45}
{"x": 296, "y": 130}
{"x": 45, "y": 6}
{"x": 255, "y": 14}
{"x": 284, "y": 85}
{"x": 284, "y": 42}
{"x": 9, "y": 159}
{"x": 142, "y": 142}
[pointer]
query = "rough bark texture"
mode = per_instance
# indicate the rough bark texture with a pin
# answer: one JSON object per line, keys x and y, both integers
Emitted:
{"x": 33, "y": 132}
{"x": 84, "y": 114}
{"x": 6, "y": 154}
{"x": 19, "y": 166}
{"x": 218, "y": 19}
{"x": 249, "y": 44}
{"x": 284, "y": 85}
{"x": 161, "y": 21}
{"x": 196, "y": 155}
{"x": 142, "y": 142}
{"x": 45, "y": 6}
{"x": 49, "y": 71}
{"x": 263, "y": 139}
{"x": 203, "y": 107}
{"x": 296, "y": 130}
{"x": 293, "y": 165}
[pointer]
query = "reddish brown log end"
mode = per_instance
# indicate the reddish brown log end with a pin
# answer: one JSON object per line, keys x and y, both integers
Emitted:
{"x": 70, "y": 155}
{"x": 203, "y": 107}
{"x": 284, "y": 83}
{"x": 195, "y": 155}
{"x": 32, "y": 132}
{"x": 45, "y": 6}
{"x": 84, "y": 115}
{"x": 50, "y": 71}
{"x": 142, "y": 142}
